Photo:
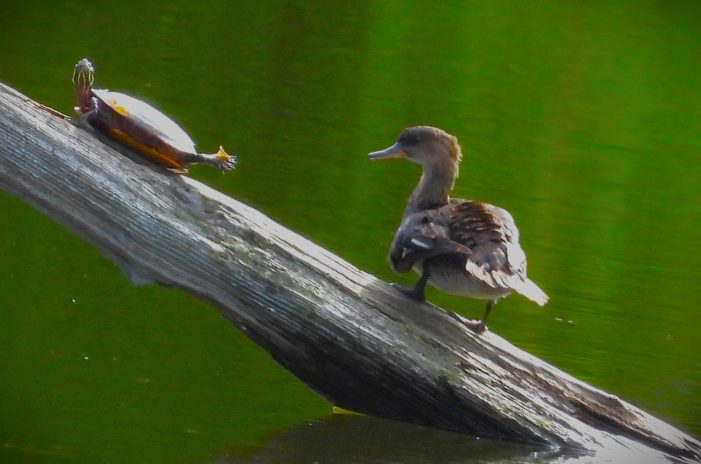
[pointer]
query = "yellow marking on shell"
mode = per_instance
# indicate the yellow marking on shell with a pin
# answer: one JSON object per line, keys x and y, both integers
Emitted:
{"x": 118, "y": 108}
{"x": 121, "y": 110}
{"x": 222, "y": 155}
{"x": 155, "y": 155}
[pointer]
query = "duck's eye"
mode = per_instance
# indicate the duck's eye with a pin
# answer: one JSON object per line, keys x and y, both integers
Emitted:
{"x": 410, "y": 139}
{"x": 424, "y": 220}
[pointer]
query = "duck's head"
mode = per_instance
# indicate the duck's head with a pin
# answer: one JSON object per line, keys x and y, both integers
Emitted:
{"x": 424, "y": 145}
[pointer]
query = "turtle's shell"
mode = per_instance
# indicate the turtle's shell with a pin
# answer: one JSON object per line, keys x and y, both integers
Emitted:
{"x": 144, "y": 128}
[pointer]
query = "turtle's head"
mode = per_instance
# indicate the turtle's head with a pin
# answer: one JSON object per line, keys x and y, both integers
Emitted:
{"x": 83, "y": 76}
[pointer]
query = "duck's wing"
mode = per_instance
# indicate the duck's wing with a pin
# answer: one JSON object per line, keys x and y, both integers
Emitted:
{"x": 490, "y": 234}
{"x": 422, "y": 235}
{"x": 495, "y": 258}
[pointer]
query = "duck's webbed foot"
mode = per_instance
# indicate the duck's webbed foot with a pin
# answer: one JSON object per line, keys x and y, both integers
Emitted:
{"x": 418, "y": 291}
{"x": 411, "y": 292}
{"x": 477, "y": 326}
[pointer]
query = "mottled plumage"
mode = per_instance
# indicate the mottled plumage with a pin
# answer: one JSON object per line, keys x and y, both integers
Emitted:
{"x": 462, "y": 247}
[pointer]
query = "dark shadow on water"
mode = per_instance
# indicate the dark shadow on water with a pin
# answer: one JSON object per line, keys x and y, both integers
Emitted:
{"x": 360, "y": 439}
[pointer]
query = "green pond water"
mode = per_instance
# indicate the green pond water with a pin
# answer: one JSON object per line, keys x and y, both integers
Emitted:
{"x": 581, "y": 118}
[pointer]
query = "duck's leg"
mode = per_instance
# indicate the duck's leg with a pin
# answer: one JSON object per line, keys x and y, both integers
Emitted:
{"x": 483, "y": 323}
{"x": 418, "y": 291}
{"x": 476, "y": 326}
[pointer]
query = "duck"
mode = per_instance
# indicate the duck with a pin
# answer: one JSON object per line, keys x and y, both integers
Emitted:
{"x": 461, "y": 247}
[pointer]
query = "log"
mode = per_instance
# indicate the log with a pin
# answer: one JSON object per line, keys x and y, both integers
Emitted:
{"x": 348, "y": 335}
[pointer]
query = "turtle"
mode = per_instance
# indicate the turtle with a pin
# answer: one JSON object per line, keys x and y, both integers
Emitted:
{"x": 139, "y": 125}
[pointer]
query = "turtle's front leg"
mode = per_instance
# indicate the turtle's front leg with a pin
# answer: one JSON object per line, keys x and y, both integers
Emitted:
{"x": 84, "y": 118}
{"x": 92, "y": 111}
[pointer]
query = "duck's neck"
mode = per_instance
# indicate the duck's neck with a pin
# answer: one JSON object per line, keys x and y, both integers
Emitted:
{"x": 434, "y": 188}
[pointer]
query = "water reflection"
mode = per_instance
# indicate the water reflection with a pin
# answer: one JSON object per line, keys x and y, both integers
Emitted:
{"x": 349, "y": 439}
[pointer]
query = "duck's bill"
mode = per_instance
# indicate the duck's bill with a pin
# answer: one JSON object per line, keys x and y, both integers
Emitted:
{"x": 395, "y": 151}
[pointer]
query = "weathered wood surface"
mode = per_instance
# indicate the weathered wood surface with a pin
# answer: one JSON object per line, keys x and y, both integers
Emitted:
{"x": 348, "y": 335}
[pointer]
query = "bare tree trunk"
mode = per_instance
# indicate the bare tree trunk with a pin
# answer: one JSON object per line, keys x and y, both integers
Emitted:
{"x": 348, "y": 335}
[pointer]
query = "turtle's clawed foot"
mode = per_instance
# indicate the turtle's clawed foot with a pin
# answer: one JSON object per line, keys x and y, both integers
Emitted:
{"x": 221, "y": 159}
{"x": 228, "y": 165}
{"x": 83, "y": 120}
{"x": 413, "y": 292}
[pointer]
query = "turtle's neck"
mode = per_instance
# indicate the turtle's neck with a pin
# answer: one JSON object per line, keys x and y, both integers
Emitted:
{"x": 434, "y": 187}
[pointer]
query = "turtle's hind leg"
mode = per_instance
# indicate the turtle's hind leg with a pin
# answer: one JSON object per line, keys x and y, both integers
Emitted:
{"x": 220, "y": 159}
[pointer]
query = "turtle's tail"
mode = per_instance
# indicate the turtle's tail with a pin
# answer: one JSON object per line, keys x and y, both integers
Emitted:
{"x": 220, "y": 159}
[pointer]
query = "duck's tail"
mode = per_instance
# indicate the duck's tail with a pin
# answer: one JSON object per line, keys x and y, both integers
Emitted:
{"x": 531, "y": 291}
